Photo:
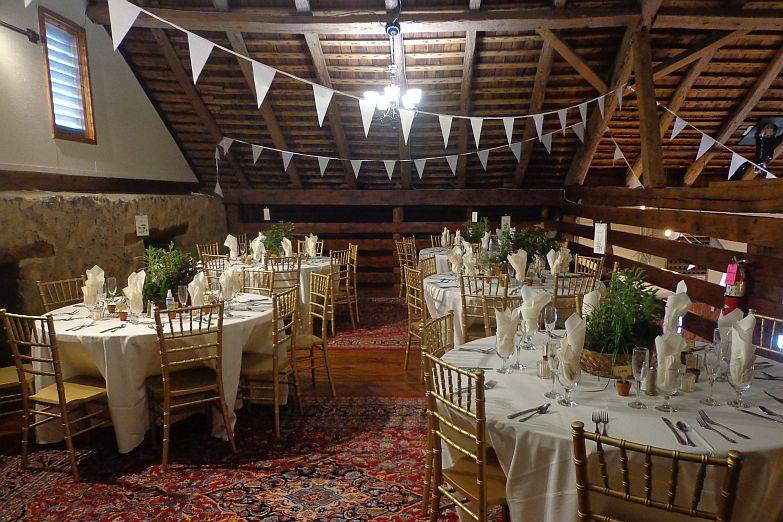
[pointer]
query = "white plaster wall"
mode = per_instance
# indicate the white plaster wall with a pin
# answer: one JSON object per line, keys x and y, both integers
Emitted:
{"x": 132, "y": 141}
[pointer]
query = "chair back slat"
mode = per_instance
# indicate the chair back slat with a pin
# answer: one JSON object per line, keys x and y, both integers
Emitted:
{"x": 414, "y": 295}
{"x": 437, "y": 335}
{"x": 472, "y": 291}
{"x": 567, "y": 288}
{"x": 56, "y": 294}
{"x": 428, "y": 267}
{"x": 769, "y": 332}
{"x": 300, "y": 247}
{"x": 318, "y": 307}
{"x": 436, "y": 240}
{"x": 204, "y": 249}
{"x": 258, "y": 281}
{"x": 285, "y": 271}
{"x": 285, "y": 305}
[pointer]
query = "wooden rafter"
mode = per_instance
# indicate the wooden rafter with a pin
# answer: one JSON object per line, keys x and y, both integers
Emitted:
{"x": 573, "y": 59}
{"x": 649, "y": 125}
{"x": 750, "y": 170}
{"x": 185, "y": 81}
{"x": 335, "y": 118}
{"x": 706, "y": 48}
{"x": 468, "y": 60}
{"x": 752, "y": 97}
{"x": 398, "y": 59}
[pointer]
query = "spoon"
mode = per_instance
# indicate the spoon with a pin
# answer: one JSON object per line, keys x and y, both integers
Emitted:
{"x": 684, "y": 429}
{"x": 541, "y": 409}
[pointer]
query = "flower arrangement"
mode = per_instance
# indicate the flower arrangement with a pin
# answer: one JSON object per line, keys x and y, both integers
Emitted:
{"x": 166, "y": 269}
{"x": 274, "y": 235}
{"x": 473, "y": 232}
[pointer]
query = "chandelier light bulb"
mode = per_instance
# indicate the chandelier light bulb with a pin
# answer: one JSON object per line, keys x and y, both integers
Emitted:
{"x": 668, "y": 232}
{"x": 392, "y": 92}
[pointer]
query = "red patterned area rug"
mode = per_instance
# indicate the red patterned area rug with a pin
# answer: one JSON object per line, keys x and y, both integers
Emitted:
{"x": 382, "y": 324}
{"x": 345, "y": 459}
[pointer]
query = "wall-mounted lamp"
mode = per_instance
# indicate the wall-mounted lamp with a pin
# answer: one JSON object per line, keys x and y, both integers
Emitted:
{"x": 668, "y": 232}
{"x": 31, "y": 35}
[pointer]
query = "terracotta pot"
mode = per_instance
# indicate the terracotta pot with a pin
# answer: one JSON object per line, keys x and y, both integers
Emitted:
{"x": 623, "y": 388}
{"x": 123, "y": 315}
{"x": 111, "y": 308}
{"x": 601, "y": 364}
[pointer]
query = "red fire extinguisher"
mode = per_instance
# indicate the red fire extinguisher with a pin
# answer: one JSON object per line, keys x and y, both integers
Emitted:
{"x": 736, "y": 286}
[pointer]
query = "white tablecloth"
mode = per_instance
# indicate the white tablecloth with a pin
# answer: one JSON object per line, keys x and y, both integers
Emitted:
{"x": 442, "y": 295}
{"x": 318, "y": 264}
{"x": 125, "y": 358}
{"x": 537, "y": 455}
{"x": 441, "y": 258}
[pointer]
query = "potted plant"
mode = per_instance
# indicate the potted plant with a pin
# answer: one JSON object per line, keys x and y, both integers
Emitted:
{"x": 274, "y": 236}
{"x": 629, "y": 316}
{"x": 473, "y": 232}
{"x": 166, "y": 269}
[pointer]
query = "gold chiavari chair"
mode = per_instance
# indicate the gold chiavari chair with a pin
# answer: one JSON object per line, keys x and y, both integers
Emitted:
{"x": 428, "y": 267}
{"x": 207, "y": 249}
{"x": 242, "y": 241}
{"x": 317, "y": 312}
{"x": 405, "y": 258}
{"x": 417, "y": 309}
{"x": 56, "y": 294}
{"x": 410, "y": 243}
{"x": 455, "y": 393}
{"x": 300, "y": 247}
{"x": 437, "y": 338}
{"x": 258, "y": 281}
{"x": 565, "y": 291}
{"x": 36, "y": 352}
{"x": 264, "y": 372}
{"x": 213, "y": 266}
{"x": 10, "y": 388}
{"x": 189, "y": 339}
{"x": 490, "y": 304}
{"x": 770, "y": 331}
{"x": 436, "y": 240}
{"x": 589, "y": 265}
{"x": 340, "y": 270}
{"x": 353, "y": 280}
{"x": 286, "y": 271}
{"x": 724, "y": 500}
{"x": 472, "y": 291}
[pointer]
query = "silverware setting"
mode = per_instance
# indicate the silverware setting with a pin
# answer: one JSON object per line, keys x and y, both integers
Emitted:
{"x": 476, "y": 350}
{"x": 703, "y": 415}
{"x": 767, "y": 417}
{"x": 776, "y": 398}
{"x": 684, "y": 429}
{"x": 539, "y": 411}
{"x": 80, "y": 326}
{"x": 677, "y": 435}
{"x": 593, "y": 391}
{"x": 706, "y": 426}
{"x": 114, "y": 328}
{"x": 769, "y": 412}
{"x": 517, "y": 414}
{"x": 770, "y": 377}
{"x": 601, "y": 417}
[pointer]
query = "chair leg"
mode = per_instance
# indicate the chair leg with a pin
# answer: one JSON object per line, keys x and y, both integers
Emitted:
{"x": 276, "y": 402}
{"x": 425, "y": 497}
{"x": 297, "y": 392}
{"x": 328, "y": 370}
{"x": 227, "y": 423}
{"x": 312, "y": 365}
{"x": 153, "y": 421}
{"x": 350, "y": 308}
{"x": 166, "y": 437}
{"x": 66, "y": 425}
{"x": 25, "y": 437}
{"x": 408, "y": 350}
{"x": 435, "y": 507}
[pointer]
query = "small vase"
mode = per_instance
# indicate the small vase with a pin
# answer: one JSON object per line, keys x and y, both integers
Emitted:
{"x": 623, "y": 388}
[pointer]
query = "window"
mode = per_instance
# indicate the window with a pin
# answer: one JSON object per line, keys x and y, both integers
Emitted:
{"x": 68, "y": 78}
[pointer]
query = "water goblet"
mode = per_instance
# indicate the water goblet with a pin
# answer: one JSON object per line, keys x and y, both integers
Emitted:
{"x": 569, "y": 378}
{"x": 740, "y": 380}
{"x": 667, "y": 381}
{"x": 518, "y": 365}
{"x": 724, "y": 352}
{"x": 550, "y": 319}
{"x": 504, "y": 369}
{"x": 182, "y": 295}
{"x": 554, "y": 363}
{"x": 111, "y": 286}
{"x": 640, "y": 362}
{"x": 711, "y": 367}
{"x": 530, "y": 320}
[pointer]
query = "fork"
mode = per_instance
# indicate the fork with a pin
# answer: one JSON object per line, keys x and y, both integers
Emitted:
{"x": 703, "y": 415}
{"x": 605, "y": 420}
{"x": 706, "y": 426}
{"x": 597, "y": 420}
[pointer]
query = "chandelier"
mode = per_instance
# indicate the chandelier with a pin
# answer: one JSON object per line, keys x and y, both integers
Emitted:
{"x": 392, "y": 98}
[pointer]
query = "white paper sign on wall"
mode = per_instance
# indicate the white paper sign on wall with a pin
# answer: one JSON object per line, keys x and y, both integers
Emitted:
{"x": 599, "y": 239}
{"x": 505, "y": 222}
{"x": 266, "y": 214}
{"x": 474, "y": 217}
{"x": 142, "y": 226}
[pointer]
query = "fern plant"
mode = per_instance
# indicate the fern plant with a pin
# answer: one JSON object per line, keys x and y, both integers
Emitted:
{"x": 165, "y": 270}
{"x": 473, "y": 232}
{"x": 275, "y": 234}
{"x": 630, "y": 316}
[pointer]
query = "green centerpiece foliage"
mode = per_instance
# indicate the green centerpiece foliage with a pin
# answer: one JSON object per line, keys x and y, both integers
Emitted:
{"x": 629, "y": 316}
{"x": 275, "y": 234}
{"x": 166, "y": 269}
{"x": 531, "y": 240}
{"x": 474, "y": 232}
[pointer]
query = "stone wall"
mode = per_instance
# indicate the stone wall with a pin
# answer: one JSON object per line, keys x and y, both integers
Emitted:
{"x": 47, "y": 236}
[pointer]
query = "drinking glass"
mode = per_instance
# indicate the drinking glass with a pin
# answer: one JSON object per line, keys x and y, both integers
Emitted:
{"x": 504, "y": 369}
{"x": 723, "y": 349}
{"x": 667, "y": 381}
{"x": 242, "y": 250}
{"x": 711, "y": 367}
{"x": 554, "y": 364}
{"x": 111, "y": 286}
{"x": 530, "y": 328}
{"x": 569, "y": 383}
{"x": 182, "y": 295}
{"x": 226, "y": 300}
{"x": 740, "y": 381}
{"x": 518, "y": 365}
{"x": 550, "y": 319}
{"x": 640, "y": 362}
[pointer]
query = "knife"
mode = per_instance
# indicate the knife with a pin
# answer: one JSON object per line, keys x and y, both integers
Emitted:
{"x": 517, "y": 414}
{"x": 674, "y": 430}
{"x": 762, "y": 416}
{"x": 777, "y": 399}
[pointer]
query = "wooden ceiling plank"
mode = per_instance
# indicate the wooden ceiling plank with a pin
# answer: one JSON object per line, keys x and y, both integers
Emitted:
{"x": 727, "y": 20}
{"x": 468, "y": 62}
{"x": 752, "y": 97}
{"x": 649, "y": 125}
{"x": 185, "y": 81}
{"x": 574, "y": 60}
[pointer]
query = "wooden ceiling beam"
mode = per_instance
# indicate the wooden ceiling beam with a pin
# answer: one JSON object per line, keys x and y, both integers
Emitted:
{"x": 706, "y": 48}
{"x": 730, "y": 126}
{"x": 728, "y": 19}
{"x": 649, "y": 125}
{"x": 468, "y": 61}
{"x": 398, "y": 59}
{"x": 186, "y": 82}
{"x": 576, "y": 61}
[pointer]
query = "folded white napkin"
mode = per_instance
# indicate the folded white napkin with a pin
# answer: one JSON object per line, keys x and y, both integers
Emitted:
{"x": 135, "y": 291}
{"x": 559, "y": 261}
{"x": 197, "y": 288}
{"x": 469, "y": 262}
{"x": 95, "y": 276}
{"x": 507, "y": 321}
{"x": 258, "y": 248}
{"x": 726, "y": 323}
{"x": 570, "y": 351}
{"x": 455, "y": 259}
{"x": 93, "y": 285}
{"x": 590, "y": 302}
{"x": 677, "y": 305}
{"x": 311, "y": 242}
{"x": 445, "y": 237}
{"x": 668, "y": 347}
{"x": 743, "y": 351}
{"x": 230, "y": 282}
{"x": 457, "y": 238}
{"x": 533, "y": 301}
{"x": 518, "y": 260}
{"x": 485, "y": 241}
{"x": 232, "y": 245}
{"x": 90, "y": 294}
{"x": 287, "y": 249}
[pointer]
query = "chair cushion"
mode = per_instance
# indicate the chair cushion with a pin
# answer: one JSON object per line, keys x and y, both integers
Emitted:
{"x": 200, "y": 377}
{"x": 260, "y": 364}
{"x": 308, "y": 340}
{"x": 462, "y": 475}
{"x": 9, "y": 377}
{"x": 77, "y": 389}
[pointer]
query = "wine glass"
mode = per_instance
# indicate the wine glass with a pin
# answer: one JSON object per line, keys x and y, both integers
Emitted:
{"x": 722, "y": 345}
{"x": 531, "y": 325}
{"x": 711, "y": 368}
{"x": 569, "y": 378}
{"x": 554, "y": 363}
{"x": 550, "y": 319}
{"x": 640, "y": 362}
{"x": 504, "y": 369}
{"x": 241, "y": 250}
{"x": 667, "y": 381}
{"x": 182, "y": 295}
{"x": 740, "y": 380}
{"x": 111, "y": 286}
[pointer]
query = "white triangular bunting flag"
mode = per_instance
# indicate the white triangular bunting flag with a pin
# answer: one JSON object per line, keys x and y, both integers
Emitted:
{"x": 445, "y": 127}
{"x": 262, "y": 77}
{"x": 356, "y": 165}
{"x": 218, "y": 190}
{"x": 508, "y": 124}
{"x": 562, "y": 115}
{"x": 634, "y": 182}
{"x": 546, "y": 139}
{"x": 367, "y": 108}
{"x": 601, "y": 105}
{"x": 323, "y": 95}
{"x": 579, "y": 130}
{"x": 257, "y": 149}
{"x": 286, "y": 158}
{"x": 225, "y": 144}
{"x": 618, "y": 154}
{"x": 389, "y": 164}
{"x": 122, "y": 14}
{"x": 679, "y": 124}
{"x": 406, "y": 120}
{"x": 538, "y": 119}
{"x": 583, "y": 112}
{"x": 483, "y": 157}
{"x": 736, "y": 162}
{"x": 706, "y": 144}
{"x": 516, "y": 148}
{"x": 452, "y": 161}
{"x": 199, "y": 49}
{"x": 28, "y": 2}
{"x": 620, "y": 98}
{"x": 770, "y": 175}
{"x": 476, "y": 124}
{"x": 420, "y": 166}
{"x": 323, "y": 162}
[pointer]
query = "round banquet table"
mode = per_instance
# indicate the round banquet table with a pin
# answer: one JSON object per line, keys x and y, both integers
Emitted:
{"x": 441, "y": 255}
{"x": 126, "y": 357}
{"x": 537, "y": 455}
{"x": 442, "y": 295}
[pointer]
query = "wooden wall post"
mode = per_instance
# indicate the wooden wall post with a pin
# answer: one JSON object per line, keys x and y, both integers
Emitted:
{"x": 649, "y": 125}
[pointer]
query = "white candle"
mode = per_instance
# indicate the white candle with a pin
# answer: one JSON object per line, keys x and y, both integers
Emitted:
{"x": 474, "y": 217}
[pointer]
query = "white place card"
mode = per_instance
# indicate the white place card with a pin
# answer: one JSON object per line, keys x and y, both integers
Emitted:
{"x": 599, "y": 238}
{"x": 505, "y": 222}
{"x": 142, "y": 226}
{"x": 474, "y": 217}
{"x": 266, "y": 214}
